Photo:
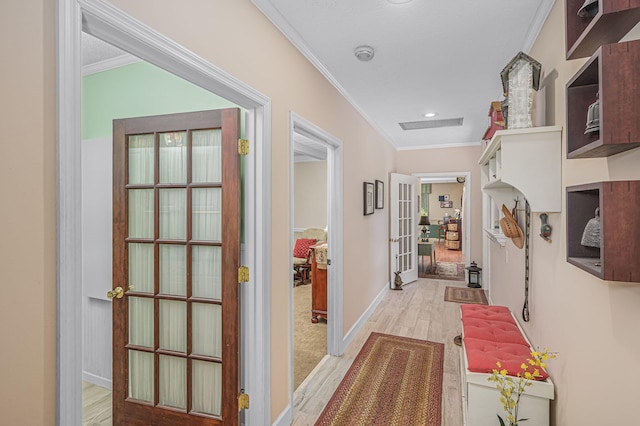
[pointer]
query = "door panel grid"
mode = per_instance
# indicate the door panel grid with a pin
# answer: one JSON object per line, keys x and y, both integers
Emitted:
{"x": 405, "y": 226}
{"x": 169, "y": 254}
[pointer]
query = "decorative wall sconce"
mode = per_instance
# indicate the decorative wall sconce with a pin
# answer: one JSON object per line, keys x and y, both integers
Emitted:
{"x": 545, "y": 228}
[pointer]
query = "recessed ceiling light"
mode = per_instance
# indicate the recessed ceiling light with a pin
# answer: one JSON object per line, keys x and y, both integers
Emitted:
{"x": 430, "y": 114}
{"x": 363, "y": 53}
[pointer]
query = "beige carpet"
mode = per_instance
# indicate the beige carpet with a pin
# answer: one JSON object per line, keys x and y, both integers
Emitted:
{"x": 310, "y": 340}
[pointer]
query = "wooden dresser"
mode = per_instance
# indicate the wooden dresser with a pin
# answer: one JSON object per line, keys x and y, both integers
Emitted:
{"x": 318, "y": 290}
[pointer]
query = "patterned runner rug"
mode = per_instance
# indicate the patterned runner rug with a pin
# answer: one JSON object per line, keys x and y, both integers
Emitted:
{"x": 393, "y": 381}
{"x": 444, "y": 271}
{"x": 465, "y": 295}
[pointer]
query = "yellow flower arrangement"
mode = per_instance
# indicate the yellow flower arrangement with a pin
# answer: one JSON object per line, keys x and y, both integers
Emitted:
{"x": 512, "y": 387}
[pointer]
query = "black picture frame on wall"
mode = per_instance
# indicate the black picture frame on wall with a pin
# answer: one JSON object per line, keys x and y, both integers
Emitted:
{"x": 369, "y": 198}
{"x": 379, "y": 194}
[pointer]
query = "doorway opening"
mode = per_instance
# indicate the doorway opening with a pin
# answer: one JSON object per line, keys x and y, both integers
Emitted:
{"x": 310, "y": 229}
{"x": 316, "y": 203}
{"x": 445, "y": 209}
{"x": 115, "y": 27}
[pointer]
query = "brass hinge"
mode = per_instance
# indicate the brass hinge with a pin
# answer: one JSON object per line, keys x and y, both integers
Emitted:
{"x": 243, "y": 274}
{"x": 243, "y": 401}
{"x": 243, "y": 147}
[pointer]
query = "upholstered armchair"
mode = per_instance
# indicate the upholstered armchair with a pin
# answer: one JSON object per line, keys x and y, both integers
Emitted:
{"x": 302, "y": 253}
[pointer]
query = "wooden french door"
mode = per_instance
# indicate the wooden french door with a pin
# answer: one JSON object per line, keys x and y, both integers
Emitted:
{"x": 403, "y": 227}
{"x": 176, "y": 254}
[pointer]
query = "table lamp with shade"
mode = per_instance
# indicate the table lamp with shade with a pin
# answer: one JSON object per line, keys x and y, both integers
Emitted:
{"x": 424, "y": 222}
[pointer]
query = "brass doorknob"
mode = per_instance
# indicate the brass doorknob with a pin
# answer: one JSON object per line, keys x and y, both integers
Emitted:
{"x": 117, "y": 292}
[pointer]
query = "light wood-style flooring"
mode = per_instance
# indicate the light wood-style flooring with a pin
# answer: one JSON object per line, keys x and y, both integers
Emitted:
{"x": 96, "y": 405}
{"x": 418, "y": 311}
{"x": 443, "y": 254}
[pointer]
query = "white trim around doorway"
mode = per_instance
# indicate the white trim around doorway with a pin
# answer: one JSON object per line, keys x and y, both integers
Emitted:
{"x": 112, "y": 25}
{"x": 466, "y": 216}
{"x": 335, "y": 342}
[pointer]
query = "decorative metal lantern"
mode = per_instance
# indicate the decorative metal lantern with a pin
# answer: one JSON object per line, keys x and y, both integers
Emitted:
{"x": 473, "y": 275}
{"x": 593, "y": 116}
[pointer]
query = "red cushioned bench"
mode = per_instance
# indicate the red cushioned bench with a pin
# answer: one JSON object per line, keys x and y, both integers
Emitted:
{"x": 492, "y": 334}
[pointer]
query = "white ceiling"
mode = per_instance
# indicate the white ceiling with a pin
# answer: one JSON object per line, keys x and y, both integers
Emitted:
{"x": 430, "y": 56}
{"x": 442, "y": 56}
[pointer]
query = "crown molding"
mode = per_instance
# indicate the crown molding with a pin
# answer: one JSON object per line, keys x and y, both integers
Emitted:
{"x": 276, "y": 18}
{"x": 109, "y": 64}
{"x": 536, "y": 25}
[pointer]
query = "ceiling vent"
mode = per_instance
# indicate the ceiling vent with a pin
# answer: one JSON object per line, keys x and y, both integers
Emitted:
{"x": 431, "y": 124}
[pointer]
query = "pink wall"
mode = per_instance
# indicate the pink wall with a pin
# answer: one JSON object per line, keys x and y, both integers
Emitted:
{"x": 27, "y": 216}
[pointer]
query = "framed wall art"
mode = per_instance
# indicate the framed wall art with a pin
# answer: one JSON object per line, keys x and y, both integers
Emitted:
{"x": 369, "y": 198}
{"x": 446, "y": 204}
{"x": 379, "y": 194}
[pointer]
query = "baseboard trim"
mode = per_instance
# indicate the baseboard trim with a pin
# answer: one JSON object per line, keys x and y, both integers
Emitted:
{"x": 364, "y": 317}
{"x": 285, "y": 418}
{"x": 97, "y": 380}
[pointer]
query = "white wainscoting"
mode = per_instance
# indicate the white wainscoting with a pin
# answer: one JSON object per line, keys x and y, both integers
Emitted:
{"x": 96, "y": 341}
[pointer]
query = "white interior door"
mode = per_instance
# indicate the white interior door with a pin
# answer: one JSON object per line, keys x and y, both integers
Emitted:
{"x": 403, "y": 227}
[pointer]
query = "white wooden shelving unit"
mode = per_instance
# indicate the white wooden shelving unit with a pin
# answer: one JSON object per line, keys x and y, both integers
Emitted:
{"x": 522, "y": 163}
{"x": 525, "y": 163}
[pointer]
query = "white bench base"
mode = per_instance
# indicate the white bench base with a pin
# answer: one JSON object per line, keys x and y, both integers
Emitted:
{"x": 481, "y": 400}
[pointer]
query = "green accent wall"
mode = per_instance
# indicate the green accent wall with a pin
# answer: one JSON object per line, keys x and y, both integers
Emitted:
{"x": 138, "y": 90}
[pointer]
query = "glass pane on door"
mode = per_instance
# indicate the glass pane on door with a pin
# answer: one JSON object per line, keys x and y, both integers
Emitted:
{"x": 207, "y": 387}
{"x": 140, "y": 213}
{"x": 207, "y": 329}
{"x": 141, "y": 321}
{"x": 173, "y": 382}
{"x": 173, "y": 214}
{"x": 141, "y": 164}
{"x": 206, "y": 164}
{"x": 173, "y": 157}
{"x": 173, "y": 325}
{"x": 206, "y": 272}
{"x": 141, "y": 376}
{"x": 173, "y": 269}
{"x": 207, "y": 214}
{"x": 141, "y": 267}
